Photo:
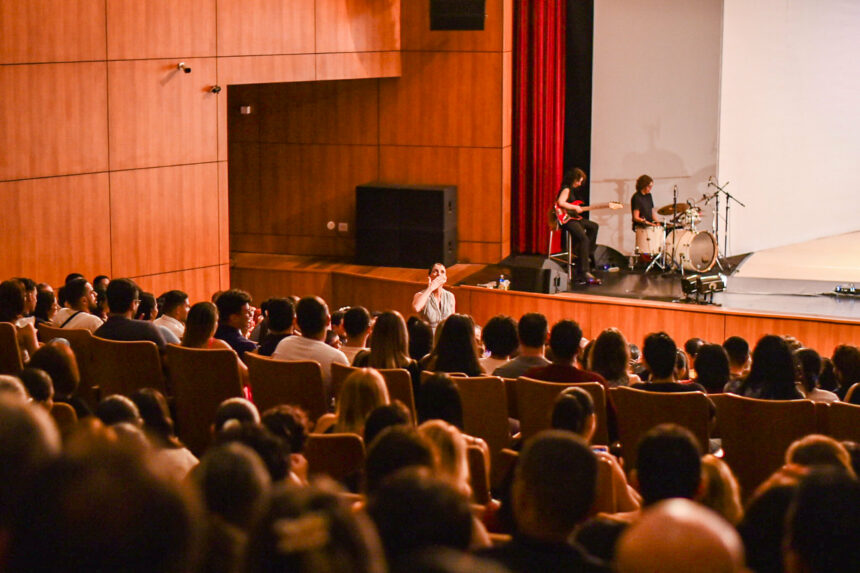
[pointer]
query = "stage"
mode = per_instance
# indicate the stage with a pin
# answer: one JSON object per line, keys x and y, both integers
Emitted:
{"x": 795, "y": 301}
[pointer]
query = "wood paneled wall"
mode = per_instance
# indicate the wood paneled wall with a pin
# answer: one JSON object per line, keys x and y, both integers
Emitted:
{"x": 113, "y": 161}
{"x": 295, "y": 161}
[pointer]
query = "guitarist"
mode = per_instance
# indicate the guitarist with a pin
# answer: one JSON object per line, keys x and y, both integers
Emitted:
{"x": 583, "y": 231}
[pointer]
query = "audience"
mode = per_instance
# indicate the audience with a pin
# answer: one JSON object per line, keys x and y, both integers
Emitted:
{"x": 174, "y": 312}
{"x": 123, "y": 298}
{"x": 500, "y": 340}
{"x": 532, "y": 331}
{"x": 46, "y": 308}
{"x": 680, "y": 536}
{"x": 553, "y": 491}
{"x": 712, "y": 368}
{"x": 564, "y": 342}
{"x": 107, "y": 499}
{"x": 456, "y": 348}
{"x": 362, "y": 392}
{"x": 738, "y": 351}
{"x": 234, "y": 320}
{"x": 659, "y": 354}
{"x": 610, "y": 358}
{"x": 389, "y": 347}
{"x": 80, "y": 303}
{"x": 12, "y": 308}
{"x": 771, "y": 376}
{"x": 313, "y": 319}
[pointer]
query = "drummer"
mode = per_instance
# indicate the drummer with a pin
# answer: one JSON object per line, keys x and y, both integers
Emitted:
{"x": 642, "y": 204}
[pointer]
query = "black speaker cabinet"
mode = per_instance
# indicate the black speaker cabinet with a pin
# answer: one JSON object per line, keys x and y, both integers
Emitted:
{"x": 410, "y": 226}
{"x": 534, "y": 273}
{"x": 457, "y": 14}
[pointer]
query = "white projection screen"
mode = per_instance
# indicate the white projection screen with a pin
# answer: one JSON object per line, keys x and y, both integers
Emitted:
{"x": 762, "y": 94}
{"x": 790, "y": 119}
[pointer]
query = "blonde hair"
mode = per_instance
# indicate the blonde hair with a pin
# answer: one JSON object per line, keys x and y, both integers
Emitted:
{"x": 819, "y": 450}
{"x": 449, "y": 451}
{"x": 363, "y": 391}
{"x": 722, "y": 493}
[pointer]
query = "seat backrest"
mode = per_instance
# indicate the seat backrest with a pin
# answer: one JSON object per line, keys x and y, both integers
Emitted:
{"x": 200, "y": 380}
{"x": 843, "y": 421}
{"x": 335, "y": 455}
{"x": 122, "y": 367}
{"x": 10, "y": 353}
{"x": 535, "y": 399}
{"x": 79, "y": 339}
{"x": 478, "y": 475}
{"x": 47, "y": 333}
{"x": 398, "y": 381}
{"x": 511, "y": 391}
{"x": 296, "y": 382}
{"x": 339, "y": 373}
{"x": 485, "y": 411}
{"x": 756, "y": 433}
{"x": 640, "y": 410}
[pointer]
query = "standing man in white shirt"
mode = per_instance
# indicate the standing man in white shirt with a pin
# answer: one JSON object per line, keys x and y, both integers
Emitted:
{"x": 313, "y": 319}
{"x": 174, "y": 312}
{"x": 80, "y": 299}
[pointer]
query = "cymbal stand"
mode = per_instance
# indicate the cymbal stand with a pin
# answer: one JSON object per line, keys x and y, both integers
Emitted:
{"x": 729, "y": 199}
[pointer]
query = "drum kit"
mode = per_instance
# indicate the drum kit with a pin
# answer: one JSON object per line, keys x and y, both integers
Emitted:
{"x": 678, "y": 244}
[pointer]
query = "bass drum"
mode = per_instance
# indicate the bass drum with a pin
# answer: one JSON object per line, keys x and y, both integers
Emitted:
{"x": 649, "y": 240}
{"x": 694, "y": 251}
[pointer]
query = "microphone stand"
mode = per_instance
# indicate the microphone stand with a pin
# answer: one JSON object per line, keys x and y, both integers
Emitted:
{"x": 729, "y": 199}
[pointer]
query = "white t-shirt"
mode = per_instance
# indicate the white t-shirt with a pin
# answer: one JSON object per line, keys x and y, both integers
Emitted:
{"x": 171, "y": 324}
{"x": 301, "y": 348}
{"x": 81, "y": 320}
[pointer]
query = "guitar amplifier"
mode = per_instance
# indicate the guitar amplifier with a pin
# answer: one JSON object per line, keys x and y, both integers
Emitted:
{"x": 409, "y": 226}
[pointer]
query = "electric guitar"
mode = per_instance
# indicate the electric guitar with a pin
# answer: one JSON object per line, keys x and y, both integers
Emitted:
{"x": 563, "y": 215}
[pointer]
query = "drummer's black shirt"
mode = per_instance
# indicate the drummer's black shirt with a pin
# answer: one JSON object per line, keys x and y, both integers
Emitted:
{"x": 644, "y": 204}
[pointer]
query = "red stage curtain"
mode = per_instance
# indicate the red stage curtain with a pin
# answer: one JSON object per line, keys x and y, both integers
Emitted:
{"x": 538, "y": 119}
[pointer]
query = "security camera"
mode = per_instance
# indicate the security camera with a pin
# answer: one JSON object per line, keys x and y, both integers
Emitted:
{"x": 183, "y": 67}
{"x": 215, "y": 89}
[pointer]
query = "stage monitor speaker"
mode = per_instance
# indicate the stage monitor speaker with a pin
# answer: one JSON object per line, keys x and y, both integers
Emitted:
{"x": 457, "y": 14}
{"x": 535, "y": 273}
{"x": 410, "y": 226}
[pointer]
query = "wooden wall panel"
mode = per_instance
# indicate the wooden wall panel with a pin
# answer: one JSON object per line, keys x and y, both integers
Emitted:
{"x": 160, "y": 29}
{"x": 305, "y": 186}
{"x": 506, "y": 202}
{"x": 444, "y": 99}
{"x": 636, "y": 322}
{"x": 265, "y": 27}
{"x": 245, "y": 198}
{"x": 245, "y": 128}
{"x": 54, "y": 120}
{"x": 164, "y": 219}
{"x": 823, "y": 335}
{"x": 160, "y": 115}
{"x": 51, "y": 31}
{"x": 336, "y": 245}
{"x": 418, "y": 36}
{"x": 477, "y": 172}
{"x": 348, "y": 66}
{"x": 357, "y": 25}
{"x": 319, "y": 113}
{"x": 200, "y": 283}
{"x": 477, "y": 252}
{"x": 373, "y": 293}
{"x": 252, "y": 70}
{"x": 223, "y": 213}
{"x": 264, "y": 284}
{"x": 54, "y": 226}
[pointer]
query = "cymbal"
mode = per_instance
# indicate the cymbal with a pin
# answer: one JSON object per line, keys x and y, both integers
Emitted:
{"x": 672, "y": 209}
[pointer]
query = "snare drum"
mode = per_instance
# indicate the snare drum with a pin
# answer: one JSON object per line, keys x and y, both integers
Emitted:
{"x": 650, "y": 240}
{"x": 691, "y": 217}
{"x": 694, "y": 251}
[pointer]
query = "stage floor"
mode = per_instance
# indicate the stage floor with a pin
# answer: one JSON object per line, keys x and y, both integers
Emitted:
{"x": 798, "y": 280}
